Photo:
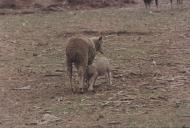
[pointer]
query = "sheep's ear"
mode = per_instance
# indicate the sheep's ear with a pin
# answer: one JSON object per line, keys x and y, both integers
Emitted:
{"x": 100, "y": 38}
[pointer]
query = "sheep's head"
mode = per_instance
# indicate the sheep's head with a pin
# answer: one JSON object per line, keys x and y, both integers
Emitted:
{"x": 98, "y": 41}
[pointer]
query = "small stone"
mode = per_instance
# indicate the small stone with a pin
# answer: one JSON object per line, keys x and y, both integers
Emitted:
{"x": 23, "y": 88}
{"x": 47, "y": 118}
{"x": 60, "y": 99}
{"x": 23, "y": 24}
{"x": 99, "y": 117}
{"x": 35, "y": 54}
{"x": 124, "y": 84}
{"x": 32, "y": 123}
{"x": 123, "y": 79}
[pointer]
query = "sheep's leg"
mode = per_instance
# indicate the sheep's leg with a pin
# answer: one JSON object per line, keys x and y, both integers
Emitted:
{"x": 92, "y": 82}
{"x": 81, "y": 78}
{"x": 69, "y": 71}
{"x": 171, "y": 1}
{"x": 180, "y": 1}
{"x": 156, "y": 1}
{"x": 149, "y": 4}
{"x": 146, "y": 5}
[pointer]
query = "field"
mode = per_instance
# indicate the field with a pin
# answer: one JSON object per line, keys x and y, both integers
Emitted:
{"x": 149, "y": 52}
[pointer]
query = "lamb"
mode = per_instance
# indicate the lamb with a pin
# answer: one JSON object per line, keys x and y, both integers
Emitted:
{"x": 99, "y": 68}
{"x": 81, "y": 52}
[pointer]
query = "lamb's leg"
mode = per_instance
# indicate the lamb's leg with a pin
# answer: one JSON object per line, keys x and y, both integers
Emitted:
{"x": 87, "y": 82}
{"x": 110, "y": 78}
{"x": 92, "y": 82}
{"x": 69, "y": 71}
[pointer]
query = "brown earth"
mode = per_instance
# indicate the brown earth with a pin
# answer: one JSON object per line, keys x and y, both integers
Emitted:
{"x": 149, "y": 52}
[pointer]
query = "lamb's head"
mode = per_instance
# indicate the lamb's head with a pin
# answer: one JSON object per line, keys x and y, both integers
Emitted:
{"x": 90, "y": 71}
{"x": 98, "y": 42}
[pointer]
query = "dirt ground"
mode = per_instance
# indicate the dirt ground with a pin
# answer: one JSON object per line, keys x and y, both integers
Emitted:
{"x": 149, "y": 52}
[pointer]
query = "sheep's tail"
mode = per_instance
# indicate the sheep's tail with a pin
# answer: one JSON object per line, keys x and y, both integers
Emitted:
{"x": 70, "y": 72}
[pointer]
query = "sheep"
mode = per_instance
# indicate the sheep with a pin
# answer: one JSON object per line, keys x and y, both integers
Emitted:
{"x": 148, "y": 2}
{"x": 178, "y": 2}
{"x": 81, "y": 52}
{"x": 99, "y": 68}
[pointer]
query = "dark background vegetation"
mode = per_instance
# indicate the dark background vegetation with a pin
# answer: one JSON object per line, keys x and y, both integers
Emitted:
{"x": 47, "y": 3}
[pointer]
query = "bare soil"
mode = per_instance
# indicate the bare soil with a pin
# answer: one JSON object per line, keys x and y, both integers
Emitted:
{"x": 149, "y": 52}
